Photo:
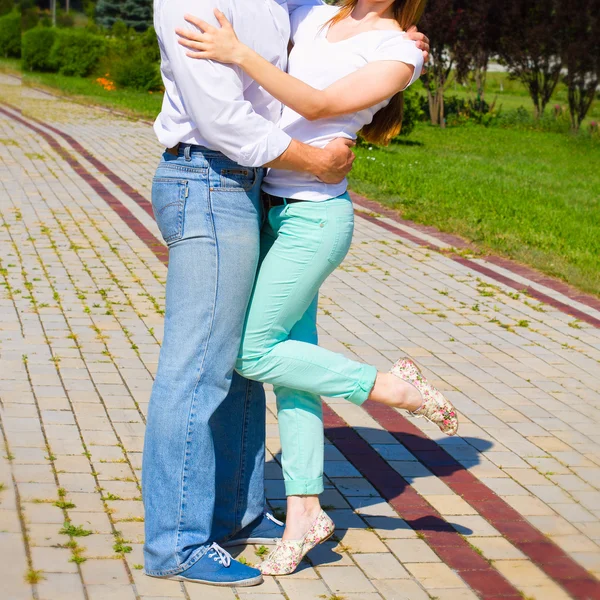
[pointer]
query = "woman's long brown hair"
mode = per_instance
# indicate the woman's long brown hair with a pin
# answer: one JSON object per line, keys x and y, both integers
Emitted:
{"x": 387, "y": 123}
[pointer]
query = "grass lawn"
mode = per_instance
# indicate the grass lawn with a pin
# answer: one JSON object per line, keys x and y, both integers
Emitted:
{"x": 530, "y": 195}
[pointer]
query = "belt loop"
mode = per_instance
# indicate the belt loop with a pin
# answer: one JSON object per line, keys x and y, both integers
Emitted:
{"x": 187, "y": 153}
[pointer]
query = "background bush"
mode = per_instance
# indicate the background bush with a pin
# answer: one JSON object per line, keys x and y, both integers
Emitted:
{"x": 136, "y": 72}
{"x": 413, "y": 111}
{"x": 76, "y": 51}
{"x": 10, "y": 35}
{"x": 36, "y": 46}
{"x": 133, "y": 59}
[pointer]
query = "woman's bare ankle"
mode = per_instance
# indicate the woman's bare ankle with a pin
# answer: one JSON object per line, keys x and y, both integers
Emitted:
{"x": 301, "y": 514}
{"x": 393, "y": 391}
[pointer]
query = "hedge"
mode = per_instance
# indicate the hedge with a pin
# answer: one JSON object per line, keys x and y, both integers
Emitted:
{"x": 76, "y": 52}
{"x": 10, "y": 35}
{"x": 36, "y": 49}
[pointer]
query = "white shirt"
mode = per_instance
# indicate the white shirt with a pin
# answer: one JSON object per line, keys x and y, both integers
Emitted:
{"x": 320, "y": 63}
{"x": 216, "y": 105}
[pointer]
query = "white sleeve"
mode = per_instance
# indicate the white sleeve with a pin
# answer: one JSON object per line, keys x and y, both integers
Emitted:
{"x": 213, "y": 94}
{"x": 402, "y": 50}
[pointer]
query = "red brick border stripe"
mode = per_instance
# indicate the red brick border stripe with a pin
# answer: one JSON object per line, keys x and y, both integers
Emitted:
{"x": 159, "y": 250}
{"x": 541, "y": 551}
{"x": 102, "y": 168}
{"x": 453, "y": 549}
{"x": 457, "y": 242}
{"x": 565, "y": 308}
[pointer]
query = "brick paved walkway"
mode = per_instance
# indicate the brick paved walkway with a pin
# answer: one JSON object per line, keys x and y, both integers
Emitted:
{"x": 510, "y": 508}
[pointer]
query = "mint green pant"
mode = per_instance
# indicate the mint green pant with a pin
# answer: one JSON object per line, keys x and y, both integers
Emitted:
{"x": 302, "y": 244}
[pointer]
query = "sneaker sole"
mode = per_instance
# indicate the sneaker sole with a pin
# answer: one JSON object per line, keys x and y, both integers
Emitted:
{"x": 242, "y": 583}
{"x": 253, "y": 540}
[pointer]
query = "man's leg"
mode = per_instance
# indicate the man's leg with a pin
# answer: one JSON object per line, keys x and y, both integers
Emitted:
{"x": 208, "y": 212}
{"x": 240, "y": 460}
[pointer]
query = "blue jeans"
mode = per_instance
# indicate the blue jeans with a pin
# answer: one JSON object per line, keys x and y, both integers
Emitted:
{"x": 203, "y": 464}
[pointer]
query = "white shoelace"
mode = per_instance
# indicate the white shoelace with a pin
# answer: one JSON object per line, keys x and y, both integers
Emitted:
{"x": 272, "y": 518}
{"x": 219, "y": 555}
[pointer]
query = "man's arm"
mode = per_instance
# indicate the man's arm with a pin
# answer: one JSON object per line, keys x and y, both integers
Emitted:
{"x": 213, "y": 96}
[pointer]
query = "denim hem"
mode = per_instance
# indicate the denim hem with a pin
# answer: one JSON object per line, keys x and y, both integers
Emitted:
{"x": 365, "y": 385}
{"x": 304, "y": 487}
{"x": 190, "y": 562}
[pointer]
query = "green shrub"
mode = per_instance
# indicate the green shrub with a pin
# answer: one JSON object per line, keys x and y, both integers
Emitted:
{"x": 412, "y": 111}
{"x": 36, "y": 49}
{"x": 10, "y": 35}
{"x": 6, "y": 6}
{"x": 137, "y": 72}
{"x": 77, "y": 52}
{"x": 556, "y": 120}
{"x": 133, "y": 59}
{"x": 34, "y": 16}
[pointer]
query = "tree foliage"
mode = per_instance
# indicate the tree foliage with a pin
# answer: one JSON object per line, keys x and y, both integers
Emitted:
{"x": 480, "y": 30}
{"x": 136, "y": 14}
{"x": 581, "y": 54}
{"x": 441, "y": 23}
{"x": 530, "y": 46}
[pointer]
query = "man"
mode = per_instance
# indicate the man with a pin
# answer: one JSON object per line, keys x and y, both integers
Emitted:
{"x": 204, "y": 451}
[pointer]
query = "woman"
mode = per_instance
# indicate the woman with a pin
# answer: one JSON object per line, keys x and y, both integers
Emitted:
{"x": 347, "y": 70}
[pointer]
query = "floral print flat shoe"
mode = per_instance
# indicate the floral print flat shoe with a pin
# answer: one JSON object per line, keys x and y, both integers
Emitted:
{"x": 289, "y": 553}
{"x": 435, "y": 408}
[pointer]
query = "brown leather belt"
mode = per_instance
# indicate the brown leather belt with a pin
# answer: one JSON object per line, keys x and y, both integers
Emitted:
{"x": 174, "y": 150}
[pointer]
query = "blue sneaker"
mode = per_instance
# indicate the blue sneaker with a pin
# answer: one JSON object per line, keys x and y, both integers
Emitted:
{"x": 265, "y": 530}
{"x": 217, "y": 567}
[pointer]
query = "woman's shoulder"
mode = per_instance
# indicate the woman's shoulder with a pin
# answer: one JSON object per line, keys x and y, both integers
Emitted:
{"x": 394, "y": 45}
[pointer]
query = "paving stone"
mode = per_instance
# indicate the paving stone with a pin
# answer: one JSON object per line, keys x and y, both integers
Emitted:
{"x": 496, "y": 548}
{"x": 110, "y": 592}
{"x": 52, "y": 560}
{"x": 412, "y": 551}
{"x": 104, "y": 572}
{"x": 346, "y": 579}
{"x": 401, "y": 589}
{"x": 435, "y": 576}
{"x": 58, "y": 586}
{"x": 380, "y": 566}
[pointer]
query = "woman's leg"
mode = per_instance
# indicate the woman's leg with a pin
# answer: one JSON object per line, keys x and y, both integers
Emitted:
{"x": 300, "y": 417}
{"x": 312, "y": 239}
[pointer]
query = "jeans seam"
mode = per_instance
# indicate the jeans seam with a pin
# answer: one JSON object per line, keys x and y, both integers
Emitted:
{"x": 241, "y": 473}
{"x": 200, "y": 373}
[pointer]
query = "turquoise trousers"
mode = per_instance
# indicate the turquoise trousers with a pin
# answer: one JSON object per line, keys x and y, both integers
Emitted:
{"x": 302, "y": 244}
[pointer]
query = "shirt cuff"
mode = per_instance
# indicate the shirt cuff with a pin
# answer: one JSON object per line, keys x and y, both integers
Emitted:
{"x": 266, "y": 150}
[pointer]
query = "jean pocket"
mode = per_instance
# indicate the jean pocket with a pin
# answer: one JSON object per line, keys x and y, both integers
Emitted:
{"x": 168, "y": 202}
{"x": 238, "y": 179}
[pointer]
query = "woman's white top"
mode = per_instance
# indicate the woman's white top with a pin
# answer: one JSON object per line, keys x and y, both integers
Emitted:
{"x": 320, "y": 63}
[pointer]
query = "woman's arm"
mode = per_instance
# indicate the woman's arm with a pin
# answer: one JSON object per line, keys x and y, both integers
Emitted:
{"x": 367, "y": 87}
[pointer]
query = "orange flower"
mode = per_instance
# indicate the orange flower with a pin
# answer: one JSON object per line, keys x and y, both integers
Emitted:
{"x": 107, "y": 84}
